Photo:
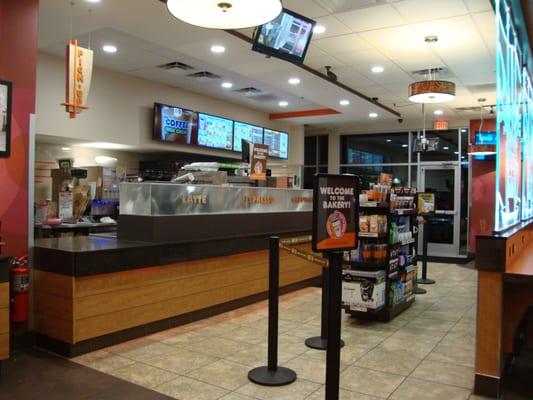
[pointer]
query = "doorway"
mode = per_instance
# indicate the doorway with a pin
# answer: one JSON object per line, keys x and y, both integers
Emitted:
{"x": 444, "y": 235}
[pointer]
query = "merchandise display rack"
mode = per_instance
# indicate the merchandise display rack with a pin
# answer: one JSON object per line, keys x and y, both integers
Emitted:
{"x": 390, "y": 269}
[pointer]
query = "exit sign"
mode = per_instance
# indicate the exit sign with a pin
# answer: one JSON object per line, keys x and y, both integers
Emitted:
{"x": 440, "y": 125}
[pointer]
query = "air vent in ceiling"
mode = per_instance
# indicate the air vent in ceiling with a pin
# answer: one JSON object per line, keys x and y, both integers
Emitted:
{"x": 469, "y": 109}
{"x": 438, "y": 72}
{"x": 204, "y": 76}
{"x": 249, "y": 91}
{"x": 176, "y": 65}
{"x": 265, "y": 98}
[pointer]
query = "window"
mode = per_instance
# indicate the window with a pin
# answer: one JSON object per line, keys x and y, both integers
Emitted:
{"x": 448, "y": 146}
{"x": 375, "y": 148}
{"x": 316, "y": 150}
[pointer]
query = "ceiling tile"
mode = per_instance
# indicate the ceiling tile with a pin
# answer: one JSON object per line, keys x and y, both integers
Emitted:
{"x": 400, "y": 37}
{"x": 308, "y": 8}
{"x": 424, "y": 10}
{"x": 333, "y": 27}
{"x": 365, "y": 58}
{"x": 391, "y": 74}
{"x": 486, "y": 24}
{"x": 370, "y": 18}
{"x": 478, "y": 5}
{"x": 342, "y": 44}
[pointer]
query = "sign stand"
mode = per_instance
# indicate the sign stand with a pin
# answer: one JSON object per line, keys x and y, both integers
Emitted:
{"x": 335, "y": 228}
{"x": 272, "y": 374}
{"x": 320, "y": 342}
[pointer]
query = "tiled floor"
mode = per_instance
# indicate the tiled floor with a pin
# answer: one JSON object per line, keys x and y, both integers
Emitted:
{"x": 425, "y": 353}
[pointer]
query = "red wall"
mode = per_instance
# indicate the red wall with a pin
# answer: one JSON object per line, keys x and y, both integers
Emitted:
{"x": 18, "y": 60}
{"x": 483, "y": 189}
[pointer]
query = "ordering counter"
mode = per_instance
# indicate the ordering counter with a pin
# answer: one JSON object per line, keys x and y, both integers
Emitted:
{"x": 182, "y": 253}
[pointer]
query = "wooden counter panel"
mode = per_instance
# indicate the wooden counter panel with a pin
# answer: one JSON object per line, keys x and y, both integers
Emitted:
{"x": 49, "y": 282}
{"x": 53, "y": 305}
{"x": 4, "y": 346}
{"x": 4, "y": 320}
{"x": 92, "y": 285}
{"x": 116, "y": 300}
{"x": 490, "y": 291}
{"x": 4, "y": 294}
{"x": 519, "y": 251}
{"x": 54, "y": 327}
{"x": 116, "y": 321}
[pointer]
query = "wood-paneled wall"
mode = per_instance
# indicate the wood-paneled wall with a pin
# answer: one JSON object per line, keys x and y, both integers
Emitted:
{"x": 77, "y": 309}
{"x": 4, "y": 321}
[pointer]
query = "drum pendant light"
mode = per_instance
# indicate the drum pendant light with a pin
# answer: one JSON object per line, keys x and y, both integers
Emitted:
{"x": 225, "y": 14}
{"x": 431, "y": 91}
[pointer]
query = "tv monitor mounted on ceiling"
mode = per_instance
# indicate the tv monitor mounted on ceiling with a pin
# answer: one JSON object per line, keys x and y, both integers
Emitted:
{"x": 287, "y": 37}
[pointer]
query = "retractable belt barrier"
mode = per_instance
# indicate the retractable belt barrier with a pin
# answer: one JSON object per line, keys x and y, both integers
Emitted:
{"x": 287, "y": 243}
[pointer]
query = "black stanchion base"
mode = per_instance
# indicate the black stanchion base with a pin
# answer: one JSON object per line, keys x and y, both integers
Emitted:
{"x": 318, "y": 343}
{"x": 266, "y": 377}
{"x": 419, "y": 290}
{"x": 426, "y": 281}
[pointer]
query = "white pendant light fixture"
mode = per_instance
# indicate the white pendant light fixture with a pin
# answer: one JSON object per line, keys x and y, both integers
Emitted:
{"x": 431, "y": 91}
{"x": 225, "y": 14}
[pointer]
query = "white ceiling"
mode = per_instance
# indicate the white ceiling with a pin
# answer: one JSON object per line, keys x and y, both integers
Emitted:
{"x": 359, "y": 34}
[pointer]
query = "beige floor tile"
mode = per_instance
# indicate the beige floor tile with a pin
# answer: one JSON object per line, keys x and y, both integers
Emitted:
{"x": 184, "y": 388}
{"x": 185, "y": 338}
{"x": 247, "y": 335}
{"x": 235, "y": 396}
{"x": 393, "y": 362}
{"x": 464, "y": 329}
{"x": 465, "y": 341}
{"x": 373, "y": 383}
{"x": 181, "y": 361}
{"x": 448, "y": 374}
{"x": 416, "y": 389}
{"x": 453, "y": 355}
{"x": 218, "y": 329}
{"x": 417, "y": 349}
{"x": 103, "y": 361}
{"x": 311, "y": 369}
{"x": 349, "y": 353}
{"x": 143, "y": 375}
{"x": 291, "y": 344}
{"x": 298, "y": 390}
{"x": 362, "y": 338}
{"x": 304, "y": 331}
{"x": 296, "y": 316}
{"x": 147, "y": 351}
{"x": 431, "y": 323}
{"x": 256, "y": 356}
{"x": 444, "y": 315}
{"x": 222, "y": 373}
{"x": 343, "y": 395}
{"x": 218, "y": 347}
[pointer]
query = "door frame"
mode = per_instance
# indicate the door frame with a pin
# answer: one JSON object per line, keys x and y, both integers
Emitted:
{"x": 439, "y": 249}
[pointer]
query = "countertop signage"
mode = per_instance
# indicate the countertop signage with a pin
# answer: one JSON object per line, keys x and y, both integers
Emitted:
{"x": 79, "y": 72}
{"x": 258, "y": 161}
{"x": 334, "y": 213}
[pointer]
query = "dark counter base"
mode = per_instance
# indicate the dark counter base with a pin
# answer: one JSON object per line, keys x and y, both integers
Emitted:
{"x": 489, "y": 386}
{"x": 4, "y": 269}
{"x": 194, "y": 228}
{"x": 87, "y": 346}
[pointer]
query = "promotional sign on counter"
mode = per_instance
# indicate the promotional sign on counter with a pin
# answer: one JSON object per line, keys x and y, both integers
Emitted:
{"x": 258, "y": 161}
{"x": 334, "y": 213}
{"x": 426, "y": 203}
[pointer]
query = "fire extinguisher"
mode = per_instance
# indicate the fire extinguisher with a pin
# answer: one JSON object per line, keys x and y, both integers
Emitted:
{"x": 20, "y": 284}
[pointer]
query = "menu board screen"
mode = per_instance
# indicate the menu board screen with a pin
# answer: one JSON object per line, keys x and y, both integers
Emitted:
{"x": 173, "y": 124}
{"x": 278, "y": 143}
{"x": 215, "y": 132}
{"x": 527, "y": 149}
{"x": 252, "y": 133}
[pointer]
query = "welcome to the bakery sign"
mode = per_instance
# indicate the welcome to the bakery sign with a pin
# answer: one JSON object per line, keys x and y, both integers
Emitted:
{"x": 78, "y": 79}
{"x": 335, "y": 212}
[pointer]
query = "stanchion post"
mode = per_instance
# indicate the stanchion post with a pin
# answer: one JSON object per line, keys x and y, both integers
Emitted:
{"x": 321, "y": 342}
{"x": 272, "y": 374}
{"x": 425, "y": 236}
{"x": 333, "y": 355}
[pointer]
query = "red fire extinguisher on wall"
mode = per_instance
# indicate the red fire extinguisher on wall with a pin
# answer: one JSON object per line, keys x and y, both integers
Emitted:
{"x": 20, "y": 284}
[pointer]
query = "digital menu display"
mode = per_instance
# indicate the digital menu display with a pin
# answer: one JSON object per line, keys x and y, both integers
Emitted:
{"x": 215, "y": 132}
{"x": 252, "y": 133}
{"x": 278, "y": 143}
{"x": 173, "y": 124}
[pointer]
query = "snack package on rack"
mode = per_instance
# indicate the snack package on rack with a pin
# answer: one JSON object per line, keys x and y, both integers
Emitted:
{"x": 364, "y": 224}
{"x": 374, "y": 226}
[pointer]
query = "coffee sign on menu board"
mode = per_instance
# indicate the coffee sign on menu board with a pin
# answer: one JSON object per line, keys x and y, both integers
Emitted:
{"x": 334, "y": 213}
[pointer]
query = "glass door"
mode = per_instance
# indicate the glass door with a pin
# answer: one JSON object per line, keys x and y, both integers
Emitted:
{"x": 444, "y": 233}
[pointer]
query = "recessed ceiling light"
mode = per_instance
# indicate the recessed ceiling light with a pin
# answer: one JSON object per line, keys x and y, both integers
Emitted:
{"x": 456, "y": 152}
{"x": 438, "y": 112}
{"x": 283, "y": 103}
{"x": 446, "y": 148}
{"x": 344, "y": 102}
{"x": 389, "y": 140}
{"x": 318, "y": 29}
{"x": 65, "y": 148}
{"x": 377, "y": 69}
{"x": 217, "y": 48}
{"x": 405, "y": 145}
{"x": 464, "y": 130}
{"x": 373, "y": 115}
{"x": 294, "y": 81}
{"x": 105, "y": 145}
{"x": 227, "y": 85}
{"x": 109, "y": 48}
{"x": 93, "y": 1}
